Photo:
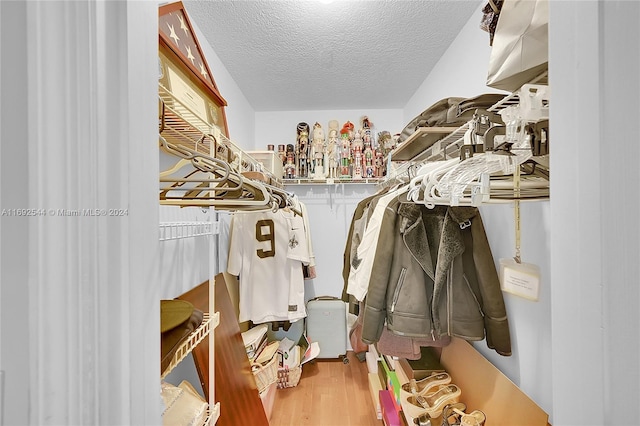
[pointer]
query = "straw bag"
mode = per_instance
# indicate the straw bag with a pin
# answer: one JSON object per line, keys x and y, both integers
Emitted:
{"x": 265, "y": 374}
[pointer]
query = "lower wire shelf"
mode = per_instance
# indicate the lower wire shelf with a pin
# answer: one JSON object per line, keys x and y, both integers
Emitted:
{"x": 208, "y": 323}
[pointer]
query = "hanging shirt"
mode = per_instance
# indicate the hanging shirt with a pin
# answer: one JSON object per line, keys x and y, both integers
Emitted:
{"x": 362, "y": 261}
{"x": 302, "y": 208}
{"x": 267, "y": 251}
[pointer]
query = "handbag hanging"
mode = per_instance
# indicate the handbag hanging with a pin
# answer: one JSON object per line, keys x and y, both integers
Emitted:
{"x": 520, "y": 50}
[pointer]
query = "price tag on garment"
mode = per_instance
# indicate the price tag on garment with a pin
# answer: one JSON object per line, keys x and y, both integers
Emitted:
{"x": 520, "y": 279}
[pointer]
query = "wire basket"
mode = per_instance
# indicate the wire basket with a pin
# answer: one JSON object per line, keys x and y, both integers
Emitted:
{"x": 265, "y": 374}
{"x": 289, "y": 377}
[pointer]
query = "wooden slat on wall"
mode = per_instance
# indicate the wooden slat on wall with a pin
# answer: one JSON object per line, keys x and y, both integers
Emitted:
{"x": 235, "y": 386}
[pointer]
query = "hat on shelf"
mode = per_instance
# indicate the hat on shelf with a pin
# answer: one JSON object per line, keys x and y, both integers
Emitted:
{"x": 173, "y": 313}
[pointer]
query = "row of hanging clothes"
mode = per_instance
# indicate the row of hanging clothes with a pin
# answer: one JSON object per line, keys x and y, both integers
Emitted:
{"x": 421, "y": 275}
{"x": 270, "y": 248}
{"x": 418, "y": 268}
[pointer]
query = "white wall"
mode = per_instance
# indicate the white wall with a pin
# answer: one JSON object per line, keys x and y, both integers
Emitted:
{"x": 330, "y": 209}
{"x": 240, "y": 115}
{"x": 330, "y": 206}
{"x": 79, "y": 300}
{"x": 461, "y": 71}
{"x": 595, "y": 243}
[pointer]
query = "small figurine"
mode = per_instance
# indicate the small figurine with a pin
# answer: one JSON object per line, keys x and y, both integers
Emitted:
{"x": 282, "y": 155}
{"x": 290, "y": 165}
{"x": 379, "y": 165}
{"x": 357, "y": 162}
{"x": 333, "y": 155}
{"x": 368, "y": 159}
{"x": 366, "y": 123}
{"x": 345, "y": 153}
{"x": 386, "y": 142}
{"x": 367, "y": 132}
{"x": 348, "y": 129}
{"x": 317, "y": 149}
{"x": 302, "y": 144}
{"x": 357, "y": 142}
{"x": 356, "y": 147}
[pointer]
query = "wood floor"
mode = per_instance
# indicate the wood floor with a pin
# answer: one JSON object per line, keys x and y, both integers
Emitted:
{"x": 330, "y": 393}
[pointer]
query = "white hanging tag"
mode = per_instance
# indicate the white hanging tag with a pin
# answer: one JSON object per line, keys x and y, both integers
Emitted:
{"x": 520, "y": 279}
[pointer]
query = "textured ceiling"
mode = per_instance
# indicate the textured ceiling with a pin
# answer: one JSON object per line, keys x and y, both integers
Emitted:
{"x": 347, "y": 54}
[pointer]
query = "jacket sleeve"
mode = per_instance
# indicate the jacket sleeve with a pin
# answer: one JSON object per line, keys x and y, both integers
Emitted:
{"x": 495, "y": 314}
{"x": 346, "y": 261}
{"x": 346, "y": 256}
{"x": 375, "y": 303}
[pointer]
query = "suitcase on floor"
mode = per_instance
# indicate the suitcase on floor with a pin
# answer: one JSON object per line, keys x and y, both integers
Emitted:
{"x": 327, "y": 325}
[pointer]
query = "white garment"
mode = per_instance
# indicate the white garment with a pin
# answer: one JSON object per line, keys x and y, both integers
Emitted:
{"x": 300, "y": 206}
{"x": 267, "y": 251}
{"x": 362, "y": 263}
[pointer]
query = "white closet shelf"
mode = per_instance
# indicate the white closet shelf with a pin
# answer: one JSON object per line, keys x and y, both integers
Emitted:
{"x": 180, "y": 230}
{"x": 208, "y": 324}
{"x": 433, "y": 144}
{"x": 419, "y": 141}
{"x": 181, "y": 125}
{"x": 445, "y": 148}
{"x": 514, "y": 98}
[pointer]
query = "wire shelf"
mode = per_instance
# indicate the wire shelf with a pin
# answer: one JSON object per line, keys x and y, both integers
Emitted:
{"x": 180, "y": 230}
{"x": 208, "y": 324}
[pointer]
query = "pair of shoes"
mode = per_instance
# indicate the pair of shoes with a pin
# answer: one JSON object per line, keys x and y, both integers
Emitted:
{"x": 454, "y": 415}
{"x": 450, "y": 414}
{"x": 425, "y": 385}
{"x": 430, "y": 403}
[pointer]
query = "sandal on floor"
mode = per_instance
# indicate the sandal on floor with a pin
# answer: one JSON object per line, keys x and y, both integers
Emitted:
{"x": 475, "y": 418}
{"x": 425, "y": 385}
{"x": 432, "y": 403}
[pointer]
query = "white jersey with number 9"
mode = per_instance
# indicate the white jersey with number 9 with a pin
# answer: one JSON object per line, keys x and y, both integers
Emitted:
{"x": 267, "y": 251}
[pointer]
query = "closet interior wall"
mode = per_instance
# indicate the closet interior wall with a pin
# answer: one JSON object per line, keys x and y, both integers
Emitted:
{"x": 330, "y": 209}
{"x": 461, "y": 71}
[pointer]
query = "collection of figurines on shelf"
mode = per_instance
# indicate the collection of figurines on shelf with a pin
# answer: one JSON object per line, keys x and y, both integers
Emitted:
{"x": 344, "y": 153}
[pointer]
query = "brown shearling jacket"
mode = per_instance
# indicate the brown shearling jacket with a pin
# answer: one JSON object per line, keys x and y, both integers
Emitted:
{"x": 434, "y": 275}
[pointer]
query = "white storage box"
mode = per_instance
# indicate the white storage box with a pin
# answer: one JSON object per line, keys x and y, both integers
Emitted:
{"x": 270, "y": 160}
